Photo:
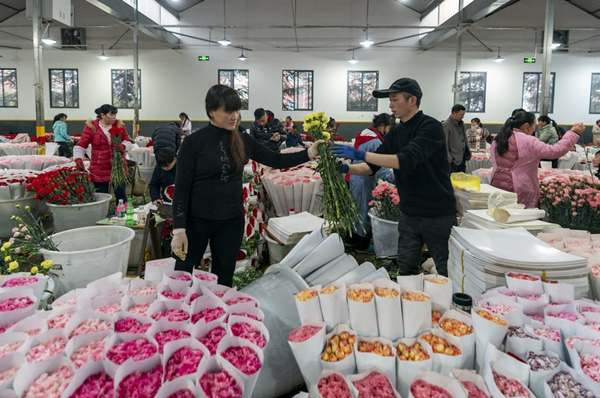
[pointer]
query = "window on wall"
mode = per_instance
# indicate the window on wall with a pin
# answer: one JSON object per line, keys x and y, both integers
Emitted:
{"x": 237, "y": 79}
{"x": 9, "y": 88}
{"x": 297, "y": 90}
{"x": 360, "y": 90}
{"x": 472, "y": 95}
{"x": 122, "y": 88}
{"x": 532, "y": 91}
{"x": 64, "y": 88}
{"x": 595, "y": 94}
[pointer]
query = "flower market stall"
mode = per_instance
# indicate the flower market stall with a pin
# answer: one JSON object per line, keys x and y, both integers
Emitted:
{"x": 22, "y": 148}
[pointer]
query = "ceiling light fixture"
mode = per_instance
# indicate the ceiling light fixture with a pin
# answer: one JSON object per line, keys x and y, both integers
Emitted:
{"x": 103, "y": 56}
{"x": 366, "y": 42}
{"x": 353, "y": 60}
{"x": 224, "y": 41}
{"x": 499, "y": 58}
{"x": 242, "y": 57}
{"x": 46, "y": 39}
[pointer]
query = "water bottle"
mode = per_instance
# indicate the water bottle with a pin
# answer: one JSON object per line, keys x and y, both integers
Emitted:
{"x": 120, "y": 209}
{"x": 292, "y": 211}
{"x": 129, "y": 221}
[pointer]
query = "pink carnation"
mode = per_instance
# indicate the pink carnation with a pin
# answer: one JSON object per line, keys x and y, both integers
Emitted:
{"x": 532, "y": 297}
{"x": 165, "y": 336}
{"x": 183, "y": 362}
{"x": 182, "y": 394}
{"x": 563, "y": 315}
{"x": 570, "y": 342}
{"x": 538, "y": 318}
{"x": 172, "y": 315}
{"x": 59, "y": 322}
{"x": 141, "y": 384}
{"x": 137, "y": 349}
{"x": 220, "y": 385}
{"x": 50, "y": 385}
{"x": 548, "y": 333}
{"x": 422, "y": 389}
{"x": 143, "y": 291}
{"x": 131, "y": 325}
{"x": 375, "y": 385}
{"x": 96, "y": 386}
{"x": 212, "y": 339}
{"x": 220, "y": 294}
{"x": 589, "y": 309}
{"x": 303, "y": 333}
{"x": 184, "y": 278}
{"x": 509, "y": 293}
{"x": 209, "y": 314}
{"x": 109, "y": 309}
{"x": 8, "y": 374}
{"x": 15, "y": 303}
{"x": 68, "y": 303}
{"x": 172, "y": 295}
{"x": 90, "y": 326}
{"x": 242, "y": 299}
{"x": 510, "y": 387}
{"x": 203, "y": 276}
{"x": 193, "y": 297}
{"x": 6, "y": 327}
{"x": 33, "y": 332}
{"x": 245, "y": 359}
{"x": 140, "y": 309}
{"x": 10, "y": 347}
{"x": 246, "y": 331}
{"x": 92, "y": 352}
{"x": 499, "y": 309}
{"x": 247, "y": 315}
{"x": 20, "y": 281}
{"x": 43, "y": 351}
{"x": 473, "y": 390}
{"x": 333, "y": 386}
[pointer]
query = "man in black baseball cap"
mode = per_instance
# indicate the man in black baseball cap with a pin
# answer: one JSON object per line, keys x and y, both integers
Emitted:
{"x": 416, "y": 151}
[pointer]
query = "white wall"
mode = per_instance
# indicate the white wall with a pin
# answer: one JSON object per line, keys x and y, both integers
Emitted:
{"x": 174, "y": 81}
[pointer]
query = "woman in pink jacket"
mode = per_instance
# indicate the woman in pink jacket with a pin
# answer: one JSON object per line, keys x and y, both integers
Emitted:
{"x": 516, "y": 155}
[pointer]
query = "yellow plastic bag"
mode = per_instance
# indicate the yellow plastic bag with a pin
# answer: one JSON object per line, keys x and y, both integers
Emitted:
{"x": 465, "y": 181}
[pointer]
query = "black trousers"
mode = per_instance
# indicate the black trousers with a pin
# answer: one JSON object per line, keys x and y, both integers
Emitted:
{"x": 64, "y": 150}
{"x": 457, "y": 168}
{"x": 225, "y": 240}
{"x": 120, "y": 193}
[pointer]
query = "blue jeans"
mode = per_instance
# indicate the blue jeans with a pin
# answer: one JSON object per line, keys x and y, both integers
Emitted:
{"x": 416, "y": 231}
{"x": 225, "y": 239}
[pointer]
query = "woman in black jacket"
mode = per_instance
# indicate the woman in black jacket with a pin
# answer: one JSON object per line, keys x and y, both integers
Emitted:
{"x": 207, "y": 204}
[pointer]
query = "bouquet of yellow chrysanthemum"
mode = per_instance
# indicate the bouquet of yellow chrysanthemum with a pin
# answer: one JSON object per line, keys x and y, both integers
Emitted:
{"x": 339, "y": 211}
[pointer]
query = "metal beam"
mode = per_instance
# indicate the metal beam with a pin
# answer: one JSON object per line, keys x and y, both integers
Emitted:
{"x": 167, "y": 6}
{"x": 40, "y": 129}
{"x": 548, "y": 36}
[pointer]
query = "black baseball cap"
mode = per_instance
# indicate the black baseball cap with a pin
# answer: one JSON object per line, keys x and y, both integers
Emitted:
{"x": 404, "y": 85}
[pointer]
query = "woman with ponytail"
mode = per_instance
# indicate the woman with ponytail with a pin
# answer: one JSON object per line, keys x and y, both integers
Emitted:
{"x": 516, "y": 154}
{"x": 208, "y": 203}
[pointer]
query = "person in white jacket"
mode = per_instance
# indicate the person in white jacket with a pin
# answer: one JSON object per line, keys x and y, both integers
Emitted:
{"x": 596, "y": 133}
{"x": 186, "y": 125}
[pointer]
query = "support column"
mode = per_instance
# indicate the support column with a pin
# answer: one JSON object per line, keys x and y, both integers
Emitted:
{"x": 458, "y": 54}
{"x": 548, "y": 36}
{"x": 40, "y": 128}
{"x": 136, "y": 82}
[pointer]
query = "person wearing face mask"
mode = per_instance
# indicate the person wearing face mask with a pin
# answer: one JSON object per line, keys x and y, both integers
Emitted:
{"x": 476, "y": 135}
{"x": 207, "y": 201}
{"x": 516, "y": 154}
{"x": 268, "y": 130}
{"x": 98, "y": 133}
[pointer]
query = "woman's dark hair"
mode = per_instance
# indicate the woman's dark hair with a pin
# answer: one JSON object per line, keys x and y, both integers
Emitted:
{"x": 185, "y": 116}
{"x": 59, "y": 116}
{"x": 331, "y": 122}
{"x": 383, "y": 119}
{"x": 294, "y": 126}
{"x": 258, "y": 113}
{"x": 224, "y": 97}
{"x": 545, "y": 119}
{"x": 478, "y": 121}
{"x": 105, "y": 110}
{"x": 519, "y": 119}
{"x": 164, "y": 157}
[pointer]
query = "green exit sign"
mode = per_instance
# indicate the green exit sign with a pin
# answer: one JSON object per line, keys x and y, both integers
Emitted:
{"x": 529, "y": 60}
{"x": 204, "y": 58}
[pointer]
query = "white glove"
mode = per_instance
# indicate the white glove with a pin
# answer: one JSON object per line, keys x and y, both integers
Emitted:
{"x": 179, "y": 244}
{"x": 313, "y": 151}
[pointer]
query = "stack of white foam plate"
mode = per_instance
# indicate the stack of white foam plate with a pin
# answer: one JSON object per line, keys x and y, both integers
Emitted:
{"x": 479, "y": 219}
{"x": 479, "y": 259}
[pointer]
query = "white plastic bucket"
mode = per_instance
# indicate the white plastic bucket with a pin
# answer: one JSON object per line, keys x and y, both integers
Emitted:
{"x": 545, "y": 165}
{"x": 51, "y": 148}
{"x": 90, "y": 253}
{"x": 76, "y": 216}
{"x": 277, "y": 251}
{"x": 385, "y": 236}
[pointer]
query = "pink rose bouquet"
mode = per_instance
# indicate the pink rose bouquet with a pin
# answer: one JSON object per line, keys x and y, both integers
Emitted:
{"x": 375, "y": 385}
{"x": 182, "y": 394}
{"x": 20, "y": 281}
{"x": 165, "y": 336}
{"x": 140, "y": 309}
{"x": 33, "y": 332}
{"x": 590, "y": 364}
{"x": 510, "y": 387}
{"x": 43, "y": 351}
{"x": 422, "y": 389}
{"x": 247, "y": 332}
{"x": 473, "y": 390}
{"x": 589, "y": 309}
{"x": 333, "y": 386}
{"x": 208, "y": 314}
{"x": 538, "y": 318}
{"x": 303, "y": 333}
{"x": 193, "y": 297}
{"x": 96, "y": 386}
{"x": 570, "y": 342}
{"x": 50, "y": 385}
{"x": 183, "y": 278}
{"x": 90, "y": 326}
{"x": 59, "y": 321}
{"x": 183, "y": 362}
{"x": 10, "y": 347}
{"x": 68, "y": 303}
{"x": 6, "y": 327}
{"x": 172, "y": 315}
{"x": 247, "y": 315}
{"x": 213, "y": 338}
{"x": 92, "y": 352}
{"x": 137, "y": 349}
{"x": 563, "y": 315}
{"x": 245, "y": 359}
{"x": 131, "y": 325}
{"x": 8, "y": 374}
{"x": 141, "y": 384}
{"x": 238, "y": 300}
{"x": 220, "y": 293}
{"x": 220, "y": 385}
{"x": 172, "y": 295}
{"x": 143, "y": 291}
{"x": 15, "y": 303}
{"x": 109, "y": 309}
{"x": 205, "y": 276}
{"x": 548, "y": 333}
{"x": 499, "y": 309}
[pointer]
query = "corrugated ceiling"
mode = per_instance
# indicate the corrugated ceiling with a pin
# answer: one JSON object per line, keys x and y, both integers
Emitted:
{"x": 10, "y": 8}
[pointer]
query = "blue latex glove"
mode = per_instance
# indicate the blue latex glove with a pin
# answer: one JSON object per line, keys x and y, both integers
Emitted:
{"x": 342, "y": 167}
{"x": 348, "y": 152}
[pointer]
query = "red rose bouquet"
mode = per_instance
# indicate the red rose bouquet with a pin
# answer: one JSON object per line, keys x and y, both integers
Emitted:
{"x": 66, "y": 186}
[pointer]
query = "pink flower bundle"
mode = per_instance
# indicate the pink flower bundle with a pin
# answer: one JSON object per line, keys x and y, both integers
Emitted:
{"x": 499, "y": 309}
{"x": 245, "y": 359}
{"x": 220, "y": 294}
{"x": 172, "y": 295}
{"x": 589, "y": 309}
{"x": 143, "y": 291}
{"x": 208, "y": 314}
{"x": 524, "y": 277}
{"x": 141, "y": 384}
{"x": 46, "y": 350}
{"x": 593, "y": 325}
{"x": 165, "y": 336}
{"x": 246, "y": 315}
{"x": 563, "y": 315}
{"x": 60, "y": 321}
{"x": 90, "y": 326}
{"x": 303, "y": 333}
{"x": 509, "y": 293}
{"x": 92, "y": 352}
{"x": 538, "y": 318}
{"x": 422, "y": 389}
{"x": 333, "y": 386}
{"x": 20, "y": 281}
{"x": 238, "y": 300}
{"x": 137, "y": 349}
{"x": 10, "y": 347}
{"x": 131, "y": 325}
{"x": 6, "y": 327}
{"x": 33, "y": 332}
{"x": 15, "y": 303}
{"x": 183, "y": 362}
{"x": 590, "y": 364}
{"x": 246, "y": 331}
{"x": 473, "y": 390}
{"x": 220, "y": 385}
{"x": 212, "y": 339}
{"x": 96, "y": 386}
{"x": 50, "y": 385}
{"x": 109, "y": 309}
{"x": 172, "y": 315}
{"x": 67, "y": 303}
{"x": 193, "y": 297}
{"x": 182, "y": 394}
{"x": 140, "y": 309}
{"x": 570, "y": 342}
{"x": 548, "y": 333}
{"x": 532, "y": 297}
{"x": 205, "y": 277}
{"x": 8, "y": 374}
{"x": 375, "y": 385}
{"x": 184, "y": 278}
{"x": 510, "y": 387}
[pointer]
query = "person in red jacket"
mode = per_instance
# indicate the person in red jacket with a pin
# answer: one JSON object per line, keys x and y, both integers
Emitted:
{"x": 99, "y": 134}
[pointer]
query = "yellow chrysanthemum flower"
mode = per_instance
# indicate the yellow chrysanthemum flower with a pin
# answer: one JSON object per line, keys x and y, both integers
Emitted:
{"x": 13, "y": 266}
{"x": 34, "y": 270}
{"x": 7, "y": 259}
{"x": 47, "y": 264}
{"x": 326, "y": 135}
{"x": 6, "y": 245}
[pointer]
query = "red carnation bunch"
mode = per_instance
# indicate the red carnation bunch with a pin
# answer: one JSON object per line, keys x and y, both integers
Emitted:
{"x": 67, "y": 186}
